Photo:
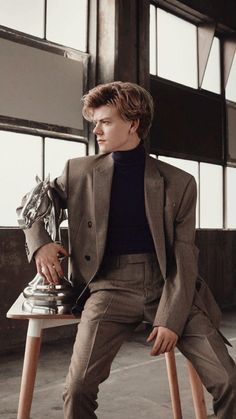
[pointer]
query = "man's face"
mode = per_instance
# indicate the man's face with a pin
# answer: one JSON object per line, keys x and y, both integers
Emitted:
{"x": 113, "y": 133}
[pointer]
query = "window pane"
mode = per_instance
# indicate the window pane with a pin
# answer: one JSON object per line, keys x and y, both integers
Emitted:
{"x": 211, "y": 80}
{"x": 24, "y": 15}
{"x": 57, "y": 152}
{"x": 230, "y": 197}
{"x": 20, "y": 162}
{"x": 230, "y": 91}
{"x": 153, "y": 38}
{"x": 186, "y": 123}
{"x": 46, "y": 87}
{"x": 211, "y": 196}
{"x": 188, "y": 166}
{"x": 67, "y": 23}
{"x": 176, "y": 49}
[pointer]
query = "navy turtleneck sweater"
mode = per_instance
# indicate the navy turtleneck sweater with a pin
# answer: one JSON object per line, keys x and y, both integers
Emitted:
{"x": 128, "y": 229}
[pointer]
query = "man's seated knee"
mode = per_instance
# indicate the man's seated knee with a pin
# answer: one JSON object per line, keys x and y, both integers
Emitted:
{"x": 77, "y": 387}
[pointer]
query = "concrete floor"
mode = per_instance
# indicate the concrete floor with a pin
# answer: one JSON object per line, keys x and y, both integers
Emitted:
{"x": 137, "y": 387}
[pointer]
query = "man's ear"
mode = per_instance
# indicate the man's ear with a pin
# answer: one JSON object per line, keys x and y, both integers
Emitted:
{"x": 134, "y": 126}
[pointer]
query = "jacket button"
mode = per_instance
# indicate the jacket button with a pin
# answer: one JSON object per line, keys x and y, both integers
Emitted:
{"x": 87, "y": 257}
{"x": 90, "y": 224}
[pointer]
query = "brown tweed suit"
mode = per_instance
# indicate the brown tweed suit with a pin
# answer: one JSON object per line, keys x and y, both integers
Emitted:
{"x": 183, "y": 301}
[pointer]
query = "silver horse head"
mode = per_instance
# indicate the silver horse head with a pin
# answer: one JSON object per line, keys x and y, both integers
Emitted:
{"x": 38, "y": 204}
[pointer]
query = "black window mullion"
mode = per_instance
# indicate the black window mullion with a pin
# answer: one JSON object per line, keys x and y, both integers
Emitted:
{"x": 45, "y": 19}
{"x": 43, "y": 158}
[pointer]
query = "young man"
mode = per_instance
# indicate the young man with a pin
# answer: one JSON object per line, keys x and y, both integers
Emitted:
{"x": 132, "y": 231}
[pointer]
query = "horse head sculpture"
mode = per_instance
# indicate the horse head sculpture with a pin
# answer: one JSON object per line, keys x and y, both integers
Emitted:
{"x": 42, "y": 297}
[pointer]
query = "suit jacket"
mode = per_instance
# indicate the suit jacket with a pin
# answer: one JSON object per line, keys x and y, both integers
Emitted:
{"x": 170, "y": 198}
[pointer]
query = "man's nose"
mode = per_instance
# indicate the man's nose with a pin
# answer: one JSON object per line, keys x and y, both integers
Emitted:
{"x": 97, "y": 129}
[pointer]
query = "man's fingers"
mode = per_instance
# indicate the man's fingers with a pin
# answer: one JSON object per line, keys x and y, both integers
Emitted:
{"x": 57, "y": 268}
{"x": 38, "y": 266}
{"x": 47, "y": 261}
{"x": 46, "y": 273}
{"x": 156, "y": 349}
{"x": 163, "y": 346}
{"x": 152, "y": 335}
{"x": 165, "y": 340}
{"x": 53, "y": 274}
{"x": 170, "y": 346}
{"x": 62, "y": 250}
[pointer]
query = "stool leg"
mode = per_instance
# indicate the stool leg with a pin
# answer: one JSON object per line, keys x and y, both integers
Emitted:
{"x": 173, "y": 384}
{"x": 32, "y": 350}
{"x": 197, "y": 393}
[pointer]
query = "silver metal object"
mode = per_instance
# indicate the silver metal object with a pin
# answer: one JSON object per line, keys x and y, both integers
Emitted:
{"x": 40, "y": 296}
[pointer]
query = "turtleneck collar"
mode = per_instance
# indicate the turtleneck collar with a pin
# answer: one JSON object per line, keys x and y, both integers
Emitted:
{"x": 134, "y": 156}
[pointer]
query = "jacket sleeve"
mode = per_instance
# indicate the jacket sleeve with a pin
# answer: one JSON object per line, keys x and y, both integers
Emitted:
{"x": 179, "y": 287}
{"x": 37, "y": 236}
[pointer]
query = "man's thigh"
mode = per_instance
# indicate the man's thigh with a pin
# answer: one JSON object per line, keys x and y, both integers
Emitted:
{"x": 99, "y": 337}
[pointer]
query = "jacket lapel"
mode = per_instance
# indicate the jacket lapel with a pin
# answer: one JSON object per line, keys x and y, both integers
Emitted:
{"x": 154, "y": 205}
{"x": 102, "y": 176}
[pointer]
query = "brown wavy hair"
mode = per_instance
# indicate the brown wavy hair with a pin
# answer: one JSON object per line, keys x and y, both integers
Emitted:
{"x": 131, "y": 100}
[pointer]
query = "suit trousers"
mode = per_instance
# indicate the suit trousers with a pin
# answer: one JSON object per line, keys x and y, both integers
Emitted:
{"x": 125, "y": 292}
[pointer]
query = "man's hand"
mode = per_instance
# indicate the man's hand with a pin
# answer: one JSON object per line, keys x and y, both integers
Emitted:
{"x": 47, "y": 262}
{"x": 165, "y": 340}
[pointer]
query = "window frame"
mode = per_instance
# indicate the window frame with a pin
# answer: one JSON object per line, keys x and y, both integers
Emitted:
{"x": 222, "y": 32}
{"x": 42, "y": 129}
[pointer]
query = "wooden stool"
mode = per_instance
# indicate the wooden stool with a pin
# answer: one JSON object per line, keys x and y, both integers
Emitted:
{"x": 39, "y": 322}
{"x": 196, "y": 387}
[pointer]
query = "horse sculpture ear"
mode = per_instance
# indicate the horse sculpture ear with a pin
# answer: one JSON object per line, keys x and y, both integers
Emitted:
{"x": 38, "y": 180}
{"x": 47, "y": 180}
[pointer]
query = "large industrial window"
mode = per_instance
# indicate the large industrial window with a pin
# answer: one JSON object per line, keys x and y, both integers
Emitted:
{"x": 176, "y": 49}
{"x": 43, "y": 75}
{"x": 195, "y": 111}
